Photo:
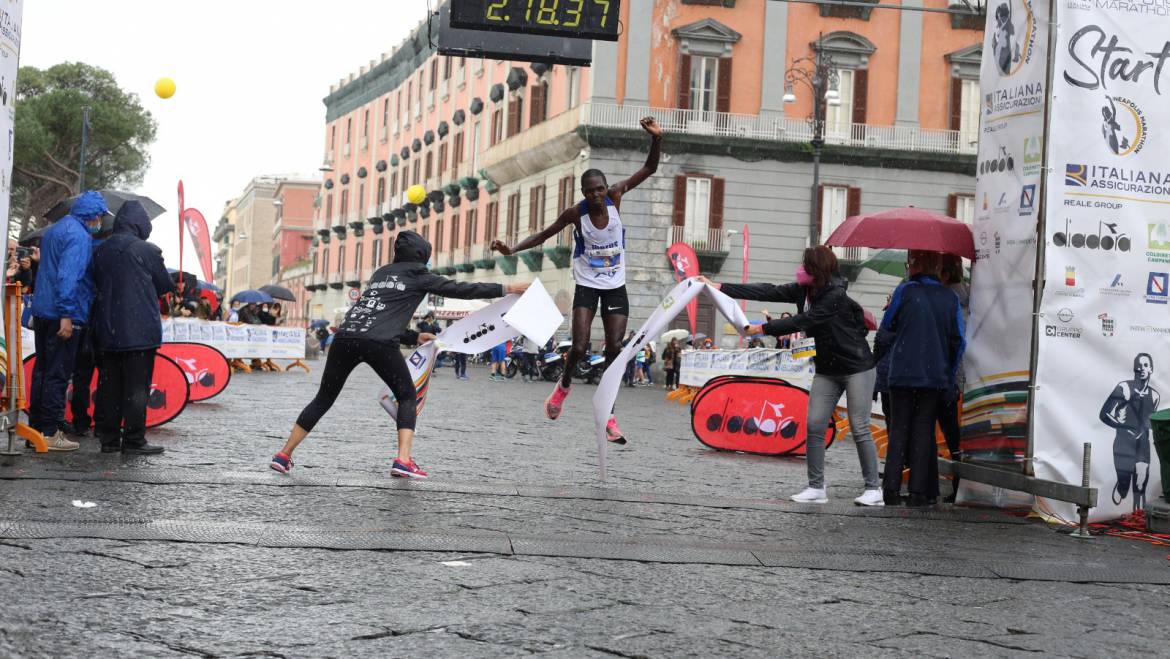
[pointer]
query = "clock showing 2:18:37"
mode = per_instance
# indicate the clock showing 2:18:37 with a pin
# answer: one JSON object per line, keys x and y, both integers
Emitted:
{"x": 586, "y": 19}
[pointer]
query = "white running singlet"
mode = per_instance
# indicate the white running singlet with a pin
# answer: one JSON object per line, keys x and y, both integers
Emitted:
{"x": 598, "y": 254}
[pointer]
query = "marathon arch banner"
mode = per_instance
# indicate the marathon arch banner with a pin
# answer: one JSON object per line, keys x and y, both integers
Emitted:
{"x": 1104, "y": 354}
{"x": 1013, "y": 81}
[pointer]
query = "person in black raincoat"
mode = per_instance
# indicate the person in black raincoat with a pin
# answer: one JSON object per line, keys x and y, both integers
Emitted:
{"x": 372, "y": 332}
{"x": 129, "y": 277}
{"x": 844, "y": 362}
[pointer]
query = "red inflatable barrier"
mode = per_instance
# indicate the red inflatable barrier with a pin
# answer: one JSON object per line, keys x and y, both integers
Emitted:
{"x": 169, "y": 391}
{"x": 208, "y": 371}
{"x": 764, "y": 416}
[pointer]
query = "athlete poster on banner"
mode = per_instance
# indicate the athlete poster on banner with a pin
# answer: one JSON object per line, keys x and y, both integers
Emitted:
{"x": 1103, "y": 356}
{"x": 1012, "y": 83}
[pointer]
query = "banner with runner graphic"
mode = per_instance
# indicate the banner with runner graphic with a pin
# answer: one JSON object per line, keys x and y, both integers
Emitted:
{"x": 997, "y": 363}
{"x": 1105, "y": 311}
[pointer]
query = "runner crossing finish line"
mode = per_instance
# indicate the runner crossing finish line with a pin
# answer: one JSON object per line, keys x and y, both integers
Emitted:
{"x": 599, "y": 267}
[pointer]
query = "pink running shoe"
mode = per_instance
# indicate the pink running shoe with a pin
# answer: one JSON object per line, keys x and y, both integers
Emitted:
{"x": 613, "y": 433}
{"x": 555, "y": 401}
{"x": 408, "y": 469}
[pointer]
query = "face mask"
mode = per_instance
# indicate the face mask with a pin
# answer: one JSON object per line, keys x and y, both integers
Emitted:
{"x": 802, "y": 276}
{"x": 94, "y": 228}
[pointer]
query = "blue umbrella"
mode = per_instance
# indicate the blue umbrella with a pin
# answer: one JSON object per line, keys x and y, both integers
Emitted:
{"x": 252, "y": 297}
{"x": 208, "y": 286}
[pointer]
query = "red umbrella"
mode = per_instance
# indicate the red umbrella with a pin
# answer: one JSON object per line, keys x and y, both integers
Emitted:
{"x": 906, "y": 228}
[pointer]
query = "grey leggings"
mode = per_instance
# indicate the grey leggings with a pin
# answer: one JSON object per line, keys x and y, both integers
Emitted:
{"x": 822, "y": 400}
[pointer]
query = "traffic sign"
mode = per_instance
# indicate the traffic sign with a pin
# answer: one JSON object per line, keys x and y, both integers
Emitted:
{"x": 354, "y": 294}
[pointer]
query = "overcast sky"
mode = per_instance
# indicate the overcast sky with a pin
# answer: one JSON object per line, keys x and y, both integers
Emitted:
{"x": 250, "y": 75}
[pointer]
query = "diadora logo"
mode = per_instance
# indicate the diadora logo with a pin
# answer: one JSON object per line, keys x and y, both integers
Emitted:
{"x": 1107, "y": 238}
{"x": 1124, "y": 127}
{"x": 1157, "y": 291}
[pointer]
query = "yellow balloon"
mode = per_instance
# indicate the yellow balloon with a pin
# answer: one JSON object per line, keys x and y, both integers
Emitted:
{"x": 416, "y": 194}
{"x": 164, "y": 88}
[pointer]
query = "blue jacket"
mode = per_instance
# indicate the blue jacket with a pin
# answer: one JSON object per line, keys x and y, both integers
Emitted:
{"x": 64, "y": 289}
{"x": 129, "y": 276}
{"x": 923, "y": 333}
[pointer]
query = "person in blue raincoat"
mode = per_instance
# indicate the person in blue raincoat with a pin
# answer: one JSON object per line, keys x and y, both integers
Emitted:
{"x": 61, "y": 301}
{"x": 129, "y": 277}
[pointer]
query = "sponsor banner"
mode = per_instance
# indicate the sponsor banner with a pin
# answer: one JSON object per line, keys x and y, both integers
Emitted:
{"x": 1011, "y": 153}
{"x": 237, "y": 341}
{"x": 753, "y": 415}
{"x": 168, "y": 396}
{"x": 207, "y": 370}
{"x": 794, "y": 366}
{"x": 1105, "y": 311}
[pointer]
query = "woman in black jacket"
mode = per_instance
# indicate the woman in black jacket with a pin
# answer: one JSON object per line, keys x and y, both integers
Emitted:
{"x": 844, "y": 363}
{"x": 372, "y": 332}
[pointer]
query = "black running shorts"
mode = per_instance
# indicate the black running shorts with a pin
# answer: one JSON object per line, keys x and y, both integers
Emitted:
{"x": 614, "y": 301}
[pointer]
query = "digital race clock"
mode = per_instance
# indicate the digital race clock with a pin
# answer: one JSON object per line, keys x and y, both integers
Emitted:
{"x": 581, "y": 19}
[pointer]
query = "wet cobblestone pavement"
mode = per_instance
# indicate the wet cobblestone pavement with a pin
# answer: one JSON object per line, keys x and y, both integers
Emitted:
{"x": 513, "y": 547}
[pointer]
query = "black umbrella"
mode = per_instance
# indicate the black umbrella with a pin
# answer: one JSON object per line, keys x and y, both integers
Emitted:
{"x": 190, "y": 281}
{"x": 279, "y": 292}
{"x": 33, "y": 237}
{"x": 114, "y": 200}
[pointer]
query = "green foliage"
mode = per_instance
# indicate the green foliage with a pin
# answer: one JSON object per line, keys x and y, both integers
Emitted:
{"x": 49, "y": 106}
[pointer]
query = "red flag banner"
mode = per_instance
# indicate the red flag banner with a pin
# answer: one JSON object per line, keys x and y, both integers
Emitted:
{"x": 207, "y": 370}
{"x": 685, "y": 264}
{"x": 764, "y": 416}
{"x": 200, "y": 240}
{"x": 169, "y": 391}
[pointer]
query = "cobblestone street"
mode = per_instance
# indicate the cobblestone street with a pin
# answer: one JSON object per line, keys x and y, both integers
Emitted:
{"x": 514, "y": 547}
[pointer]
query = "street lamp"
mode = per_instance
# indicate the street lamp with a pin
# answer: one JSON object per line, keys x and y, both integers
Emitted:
{"x": 819, "y": 75}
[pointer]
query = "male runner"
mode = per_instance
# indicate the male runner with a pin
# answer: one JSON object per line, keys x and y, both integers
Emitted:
{"x": 599, "y": 266}
{"x": 1127, "y": 411}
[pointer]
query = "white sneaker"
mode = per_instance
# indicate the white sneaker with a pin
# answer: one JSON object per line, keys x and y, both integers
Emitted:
{"x": 871, "y": 498}
{"x": 59, "y": 442}
{"x": 811, "y": 495}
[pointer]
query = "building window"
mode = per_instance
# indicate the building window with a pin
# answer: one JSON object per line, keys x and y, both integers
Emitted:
{"x": 366, "y": 124}
{"x": 430, "y": 165}
{"x": 378, "y": 252}
{"x": 361, "y": 205}
{"x": 343, "y": 212}
{"x": 961, "y": 207}
{"x": 329, "y": 209}
{"x": 698, "y": 212}
{"x": 426, "y": 234}
{"x": 837, "y": 203}
{"x": 358, "y": 258}
{"x": 456, "y": 155}
{"x": 454, "y": 232}
{"x": 538, "y": 104}
{"x": 438, "y": 235}
{"x": 968, "y": 113}
{"x": 513, "y": 216}
{"x": 516, "y": 114}
{"x": 475, "y": 147}
{"x": 447, "y": 68}
{"x": 497, "y": 126}
{"x": 333, "y": 137}
{"x": 536, "y": 208}
{"x": 414, "y": 176}
{"x": 442, "y": 158}
{"x": 348, "y": 129}
{"x": 565, "y": 193}
{"x": 341, "y": 258}
{"x": 381, "y": 193}
{"x": 493, "y": 221}
{"x": 704, "y": 78}
{"x": 324, "y": 261}
{"x": 470, "y": 229}
{"x": 574, "y": 86}
{"x": 393, "y": 185}
{"x": 839, "y": 118}
{"x": 385, "y": 114}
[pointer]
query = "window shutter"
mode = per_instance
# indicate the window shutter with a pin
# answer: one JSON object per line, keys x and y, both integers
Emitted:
{"x": 820, "y": 206}
{"x": 684, "y": 82}
{"x": 514, "y": 118}
{"x": 532, "y": 201}
{"x": 956, "y": 104}
{"x": 952, "y": 205}
{"x": 716, "y": 217}
{"x": 680, "y": 201}
{"x": 860, "y": 92}
{"x": 723, "y": 86}
{"x": 536, "y": 105}
{"x": 854, "y": 202}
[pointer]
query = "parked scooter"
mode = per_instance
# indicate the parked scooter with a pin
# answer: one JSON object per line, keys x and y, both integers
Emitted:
{"x": 590, "y": 368}
{"x": 552, "y": 364}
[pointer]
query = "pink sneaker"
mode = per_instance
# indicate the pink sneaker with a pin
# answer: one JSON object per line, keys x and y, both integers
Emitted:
{"x": 408, "y": 469}
{"x": 555, "y": 401}
{"x": 613, "y": 433}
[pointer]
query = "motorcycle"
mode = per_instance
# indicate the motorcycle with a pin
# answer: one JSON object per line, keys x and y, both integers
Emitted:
{"x": 552, "y": 364}
{"x": 590, "y": 369}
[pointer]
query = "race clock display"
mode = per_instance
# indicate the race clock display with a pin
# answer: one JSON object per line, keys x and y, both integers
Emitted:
{"x": 580, "y": 19}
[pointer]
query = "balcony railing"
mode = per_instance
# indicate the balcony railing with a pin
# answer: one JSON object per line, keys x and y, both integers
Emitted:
{"x": 701, "y": 239}
{"x": 776, "y": 128}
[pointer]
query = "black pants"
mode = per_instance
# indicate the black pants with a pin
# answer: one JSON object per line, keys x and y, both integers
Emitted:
{"x": 460, "y": 364}
{"x": 50, "y": 378}
{"x": 125, "y": 386}
{"x": 83, "y": 368}
{"x": 344, "y": 355}
{"x": 911, "y": 441}
{"x": 671, "y": 377}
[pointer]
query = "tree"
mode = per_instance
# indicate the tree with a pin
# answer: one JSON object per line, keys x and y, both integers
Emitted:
{"x": 47, "y": 144}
